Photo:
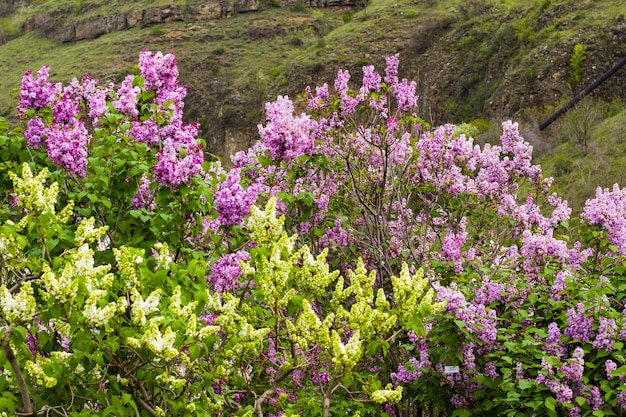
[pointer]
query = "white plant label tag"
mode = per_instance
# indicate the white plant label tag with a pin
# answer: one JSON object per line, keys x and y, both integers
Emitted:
{"x": 451, "y": 370}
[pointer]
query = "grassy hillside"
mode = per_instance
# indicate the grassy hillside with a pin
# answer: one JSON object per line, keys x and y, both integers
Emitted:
{"x": 479, "y": 61}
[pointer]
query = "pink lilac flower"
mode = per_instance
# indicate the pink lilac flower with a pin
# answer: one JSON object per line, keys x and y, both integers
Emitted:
{"x": 391, "y": 71}
{"x": 97, "y": 105}
{"x": 371, "y": 80}
{"x": 226, "y": 271}
{"x": 146, "y": 131}
{"x": 159, "y": 71}
{"x": 37, "y": 93}
{"x": 66, "y": 108}
{"x": 404, "y": 93}
{"x": 608, "y": 210}
{"x": 127, "y": 97}
{"x": 286, "y": 136}
{"x": 177, "y": 163}
{"x": 320, "y": 99}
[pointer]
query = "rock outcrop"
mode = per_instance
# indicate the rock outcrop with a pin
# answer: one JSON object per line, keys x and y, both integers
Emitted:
{"x": 51, "y": 26}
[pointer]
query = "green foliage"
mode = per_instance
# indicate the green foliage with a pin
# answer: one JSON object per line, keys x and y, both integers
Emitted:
{"x": 525, "y": 31}
{"x": 347, "y": 16}
{"x": 157, "y": 30}
{"x": 576, "y": 64}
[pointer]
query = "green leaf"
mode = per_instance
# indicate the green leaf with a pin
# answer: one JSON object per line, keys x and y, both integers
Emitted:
{"x": 195, "y": 351}
{"x": 550, "y": 403}
{"x": 348, "y": 379}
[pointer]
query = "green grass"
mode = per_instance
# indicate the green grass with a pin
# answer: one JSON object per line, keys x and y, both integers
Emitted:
{"x": 232, "y": 66}
{"x": 576, "y": 176}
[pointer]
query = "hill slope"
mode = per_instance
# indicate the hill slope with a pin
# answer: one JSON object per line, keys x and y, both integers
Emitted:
{"x": 491, "y": 59}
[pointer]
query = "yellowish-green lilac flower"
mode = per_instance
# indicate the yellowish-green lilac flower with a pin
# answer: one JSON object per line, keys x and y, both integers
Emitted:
{"x": 128, "y": 260}
{"x": 20, "y": 308}
{"x": 387, "y": 395}
{"x": 142, "y": 308}
{"x": 36, "y": 372}
{"x": 345, "y": 357}
{"x": 87, "y": 233}
{"x": 163, "y": 256}
{"x": 33, "y": 195}
{"x": 410, "y": 297}
{"x": 99, "y": 316}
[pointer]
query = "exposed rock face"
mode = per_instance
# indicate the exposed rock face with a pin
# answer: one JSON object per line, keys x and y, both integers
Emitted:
{"x": 51, "y": 27}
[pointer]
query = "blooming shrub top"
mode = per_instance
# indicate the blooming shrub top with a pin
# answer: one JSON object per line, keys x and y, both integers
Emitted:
{"x": 355, "y": 261}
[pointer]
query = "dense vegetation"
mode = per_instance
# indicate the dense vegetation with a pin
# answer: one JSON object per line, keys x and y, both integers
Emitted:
{"x": 354, "y": 261}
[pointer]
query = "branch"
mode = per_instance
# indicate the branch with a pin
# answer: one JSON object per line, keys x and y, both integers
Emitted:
{"x": 145, "y": 406}
{"x": 17, "y": 373}
{"x": 259, "y": 401}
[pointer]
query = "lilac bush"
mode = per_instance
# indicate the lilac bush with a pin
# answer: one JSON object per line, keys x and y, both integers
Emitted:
{"x": 355, "y": 261}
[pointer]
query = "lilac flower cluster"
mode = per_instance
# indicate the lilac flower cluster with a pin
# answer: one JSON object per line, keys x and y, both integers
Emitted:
{"x": 553, "y": 344}
{"x": 179, "y": 155}
{"x": 580, "y": 324}
{"x": 144, "y": 198}
{"x": 286, "y": 136}
{"x": 608, "y": 210}
{"x": 226, "y": 271}
{"x": 37, "y": 93}
{"x": 232, "y": 201}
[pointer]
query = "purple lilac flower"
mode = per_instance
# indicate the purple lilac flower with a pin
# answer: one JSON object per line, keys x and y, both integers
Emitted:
{"x": 320, "y": 378}
{"x": 67, "y": 147}
{"x": 579, "y": 325}
{"x": 564, "y": 394}
{"x": 621, "y": 399}
{"x": 606, "y": 334}
{"x": 232, "y": 201}
{"x": 609, "y": 367}
{"x": 574, "y": 367}
{"x": 335, "y": 237}
{"x": 559, "y": 284}
{"x": 144, "y": 198}
{"x": 35, "y": 132}
{"x": 594, "y": 398}
{"x": 490, "y": 370}
{"x": 553, "y": 344}
{"x": 226, "y": 271}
